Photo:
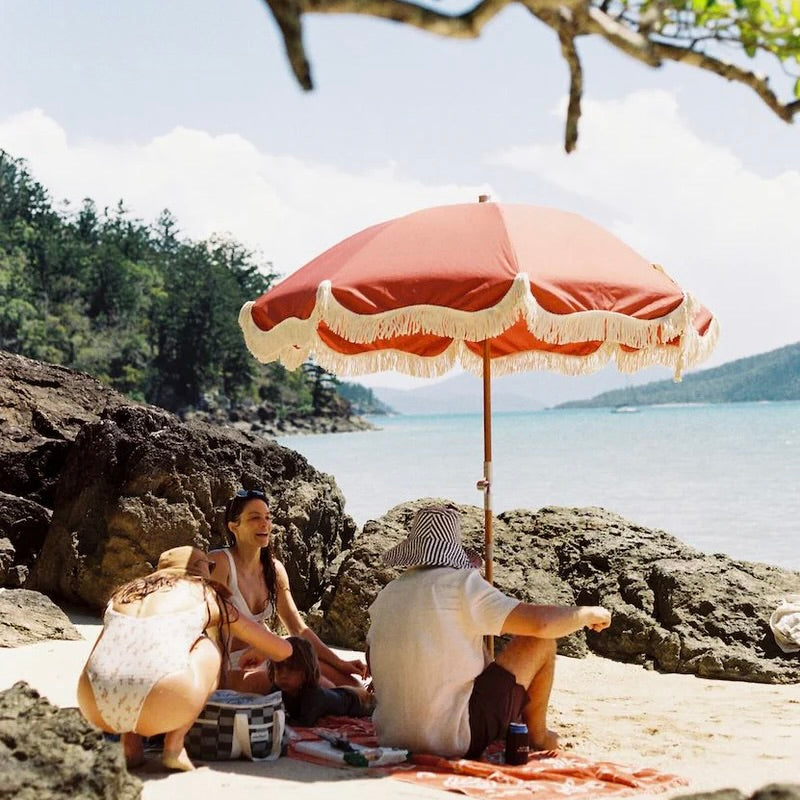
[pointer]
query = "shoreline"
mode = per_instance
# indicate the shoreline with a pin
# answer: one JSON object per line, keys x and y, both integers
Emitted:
{"x": 715, "y": 734}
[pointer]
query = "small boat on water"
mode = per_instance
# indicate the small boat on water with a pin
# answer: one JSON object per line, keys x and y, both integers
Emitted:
{"x": 625, "y": 410}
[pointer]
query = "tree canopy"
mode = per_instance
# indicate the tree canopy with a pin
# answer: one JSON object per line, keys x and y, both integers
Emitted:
{"x": 722, "y": 37}
{"x": 148, "y": 313}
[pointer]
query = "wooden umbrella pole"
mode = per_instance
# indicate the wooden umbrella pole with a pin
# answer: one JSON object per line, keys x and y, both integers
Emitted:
{"x": 486, "y": 483}
{"x": 488, "y": 540}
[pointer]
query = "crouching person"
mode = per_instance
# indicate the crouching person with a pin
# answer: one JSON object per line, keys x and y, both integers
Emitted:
{"x": 154, "y": 665}
{"x": 435, "y": 692}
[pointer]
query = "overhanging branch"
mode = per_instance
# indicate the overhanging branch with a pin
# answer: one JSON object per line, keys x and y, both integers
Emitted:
{"x": 640, "y": 39}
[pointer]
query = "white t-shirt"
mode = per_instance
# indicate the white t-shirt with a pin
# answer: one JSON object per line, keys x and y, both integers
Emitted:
{"x": 426, "y": 649}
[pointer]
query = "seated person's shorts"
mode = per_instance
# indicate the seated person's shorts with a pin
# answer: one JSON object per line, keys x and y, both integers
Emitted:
{"x": 496, "y": 700}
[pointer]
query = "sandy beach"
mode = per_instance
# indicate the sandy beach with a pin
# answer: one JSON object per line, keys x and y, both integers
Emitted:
{"x": 715, "y": 734}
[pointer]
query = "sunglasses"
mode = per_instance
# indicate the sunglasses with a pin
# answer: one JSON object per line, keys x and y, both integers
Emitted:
{"x": 251, "y": 493}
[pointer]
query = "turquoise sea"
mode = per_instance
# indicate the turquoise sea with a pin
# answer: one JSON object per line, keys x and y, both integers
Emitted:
{"x": 723, "y": 478}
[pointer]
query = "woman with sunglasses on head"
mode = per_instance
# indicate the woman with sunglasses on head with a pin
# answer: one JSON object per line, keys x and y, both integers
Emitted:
{"x": 259, "y": 588}
{"x": 154, "y": 665}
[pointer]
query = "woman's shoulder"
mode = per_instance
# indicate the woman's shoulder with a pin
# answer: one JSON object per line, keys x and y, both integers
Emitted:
{"x": 220, "y": 559}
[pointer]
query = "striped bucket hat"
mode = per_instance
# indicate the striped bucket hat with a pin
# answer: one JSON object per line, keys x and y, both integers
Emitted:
{"x": 434, "y": 541}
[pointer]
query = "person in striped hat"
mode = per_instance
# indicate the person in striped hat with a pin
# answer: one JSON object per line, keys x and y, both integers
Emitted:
{"x": 435, "y": 691}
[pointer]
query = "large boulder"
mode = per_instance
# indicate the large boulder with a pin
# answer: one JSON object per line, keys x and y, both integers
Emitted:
{"x": 42, "y": 408}
{"x": 27, "y": 617}
{"x": 363, "y": 574}
{"x": 49, "y": 753}
{"x": 140, "y": 481}
{"x": 674, "y": 608}
{"x": 23, "y": 527}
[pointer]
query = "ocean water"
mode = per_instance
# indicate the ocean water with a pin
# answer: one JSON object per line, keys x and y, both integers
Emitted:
{"x": 722, "y": 478}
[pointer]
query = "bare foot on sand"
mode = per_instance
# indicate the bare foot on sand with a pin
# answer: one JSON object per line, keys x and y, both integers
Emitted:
{"x": 133, "y": 747}
{"x": 549, "y": 742}
{"x": 179, "y": 761}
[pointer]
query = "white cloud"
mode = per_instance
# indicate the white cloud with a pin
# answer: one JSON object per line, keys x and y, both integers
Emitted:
{"x": 726, "y": 233}
{"x": 287, "y": 209}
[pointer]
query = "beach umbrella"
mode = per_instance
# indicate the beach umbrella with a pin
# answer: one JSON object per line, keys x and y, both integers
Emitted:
{"x": 496, "y": 288}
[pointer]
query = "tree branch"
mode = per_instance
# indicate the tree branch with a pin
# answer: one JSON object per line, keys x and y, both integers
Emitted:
{"x": 287, "y": 14}
{"x": 758, "y": 83}
{"x": 566, "y": 35}
{"x": 638, "y": 35}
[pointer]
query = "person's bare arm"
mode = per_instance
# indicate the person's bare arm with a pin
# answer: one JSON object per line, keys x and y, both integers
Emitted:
{"x": 290, "y": 616}
{"x": 553, "y": 622}
{"x": 258, "y": 636}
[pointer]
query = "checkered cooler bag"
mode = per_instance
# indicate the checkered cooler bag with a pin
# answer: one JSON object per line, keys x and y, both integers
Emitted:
{"x": 238, "y": 725}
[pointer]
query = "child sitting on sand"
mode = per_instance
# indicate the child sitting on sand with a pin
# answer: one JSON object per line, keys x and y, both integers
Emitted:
{"x": 306, "y": 701}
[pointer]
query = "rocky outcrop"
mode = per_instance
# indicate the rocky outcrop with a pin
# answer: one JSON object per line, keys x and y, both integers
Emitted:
{"x": 27, "y": 617}
{"x": 49, "y": 753}
{"x": 42, "y": 408}
{"x": 345, "y": 618}
{"x": 140, "y": 481}
{"x": 123, "y": 482}
{"x": 263, "y": 419}
{"x": 23, "y": 526}
{"x": 674, "y": 608}
{"x": 773, "y": 791}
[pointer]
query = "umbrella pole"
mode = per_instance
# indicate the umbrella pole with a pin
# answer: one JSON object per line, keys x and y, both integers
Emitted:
{"x": 486, "y": 483}
{"x": 488, "y": 543}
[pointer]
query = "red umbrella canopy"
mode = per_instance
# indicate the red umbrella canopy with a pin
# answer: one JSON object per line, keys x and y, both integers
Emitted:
{"x": 420, "y": 293}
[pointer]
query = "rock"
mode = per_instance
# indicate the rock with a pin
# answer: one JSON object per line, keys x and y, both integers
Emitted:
{"x": 674, "y": 608}
{"x": 42, "y": 408}
{"x": 27, "y": 617}
{"x": 362, "y": 574}
{"x": 774, "y": 791}
{"x": 140, "y": 481}
{"x": 23, "y": 526}
{"x": 49, "y": 753}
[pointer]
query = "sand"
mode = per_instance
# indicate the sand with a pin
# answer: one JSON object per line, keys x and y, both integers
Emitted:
{"x": 716, "y": 734}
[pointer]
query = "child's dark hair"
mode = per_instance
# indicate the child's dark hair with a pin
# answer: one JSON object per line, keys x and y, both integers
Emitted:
{"x": 233, "y": 513}
{"x": 303, "y": 659}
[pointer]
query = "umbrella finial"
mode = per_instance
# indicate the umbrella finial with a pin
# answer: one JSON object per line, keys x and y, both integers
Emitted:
{"x": 484, "y": 198}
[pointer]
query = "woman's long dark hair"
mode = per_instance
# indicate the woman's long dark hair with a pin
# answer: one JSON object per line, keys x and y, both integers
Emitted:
{"x": 233, "y": 513}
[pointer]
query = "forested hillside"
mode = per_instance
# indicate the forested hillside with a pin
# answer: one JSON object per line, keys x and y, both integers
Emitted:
{"x": 769, "y": 376}
{"x": 146, "y": 311}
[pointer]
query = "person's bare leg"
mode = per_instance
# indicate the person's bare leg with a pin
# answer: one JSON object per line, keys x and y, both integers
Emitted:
{"x": 205, "y": 664}
{"x": 532, "y": 662}
{"x": 133, "y": 747}
{"x": 330, "y": 677}
{"x": 174, "y": 755}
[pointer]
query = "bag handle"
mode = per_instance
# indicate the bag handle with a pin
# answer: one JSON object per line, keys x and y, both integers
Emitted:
{"x": 242, "y": 734}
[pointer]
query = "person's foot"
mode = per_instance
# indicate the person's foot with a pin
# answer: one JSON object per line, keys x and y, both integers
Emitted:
{"x": 178, "y": 761}
{"x": 133, "y": 748}
{"x": 547, "y": 742}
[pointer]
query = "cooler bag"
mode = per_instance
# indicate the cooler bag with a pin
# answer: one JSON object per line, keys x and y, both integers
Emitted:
{"x": 238, "y": 725}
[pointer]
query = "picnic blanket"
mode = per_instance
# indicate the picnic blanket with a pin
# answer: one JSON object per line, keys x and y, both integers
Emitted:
{"x": 546, "y": 776}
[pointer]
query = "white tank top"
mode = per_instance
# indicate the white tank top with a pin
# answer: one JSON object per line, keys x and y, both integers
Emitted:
{"x": 239, "y": 601}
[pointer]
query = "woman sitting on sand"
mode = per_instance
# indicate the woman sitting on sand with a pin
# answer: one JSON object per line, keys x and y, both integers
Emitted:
{"x": 259, "y": 588}
{"x": 153, "y": 666}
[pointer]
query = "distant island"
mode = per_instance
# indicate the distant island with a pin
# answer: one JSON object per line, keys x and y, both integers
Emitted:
{"x": 770, "y": 376}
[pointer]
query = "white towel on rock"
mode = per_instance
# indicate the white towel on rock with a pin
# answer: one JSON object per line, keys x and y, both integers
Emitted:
{"x": 785, "y": 624}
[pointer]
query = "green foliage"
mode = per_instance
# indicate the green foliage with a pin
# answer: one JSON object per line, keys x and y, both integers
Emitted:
{"x": 151, "y": 315}
{"x": 362, "y": 399}
{"x": 771, "y": 376}
{"x": 753, "y": 26}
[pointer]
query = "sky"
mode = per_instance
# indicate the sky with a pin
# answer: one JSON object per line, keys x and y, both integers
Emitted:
{"x": 191, "y": 106}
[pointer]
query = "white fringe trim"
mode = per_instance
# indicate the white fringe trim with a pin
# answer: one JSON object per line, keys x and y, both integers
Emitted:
{"x": 294, "y": 340}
